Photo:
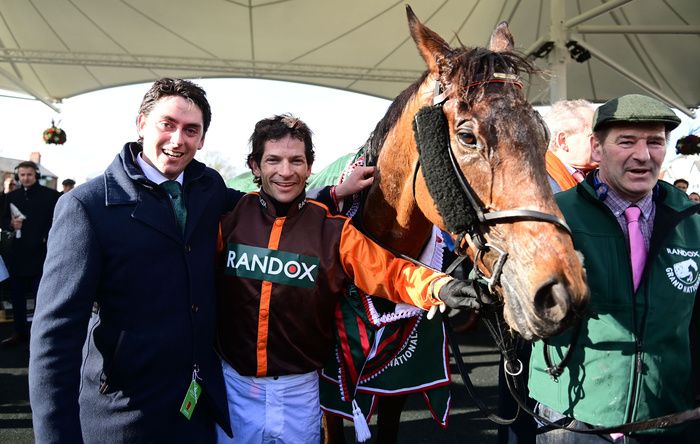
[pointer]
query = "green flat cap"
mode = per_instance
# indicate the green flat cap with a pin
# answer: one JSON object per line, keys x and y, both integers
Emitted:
{"x": 635, "y": 108}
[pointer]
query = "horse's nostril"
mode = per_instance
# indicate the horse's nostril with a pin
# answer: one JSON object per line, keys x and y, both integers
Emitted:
{"x": 552, "y": 301}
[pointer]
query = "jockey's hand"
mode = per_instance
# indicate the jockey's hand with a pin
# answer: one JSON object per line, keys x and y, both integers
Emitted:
{"x": 360, "y": 178}
{"x": 457, "y": 294}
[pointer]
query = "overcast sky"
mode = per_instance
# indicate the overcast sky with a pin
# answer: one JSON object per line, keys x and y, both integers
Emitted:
{"x": 99, "y": 123}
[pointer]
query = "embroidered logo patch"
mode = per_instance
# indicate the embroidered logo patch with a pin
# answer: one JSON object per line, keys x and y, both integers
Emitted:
{"x": 276, "y": 266}
{"x": 684, "y": 273}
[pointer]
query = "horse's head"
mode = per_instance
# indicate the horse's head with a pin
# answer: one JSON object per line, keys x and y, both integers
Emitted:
{"x": 501, "y": 211}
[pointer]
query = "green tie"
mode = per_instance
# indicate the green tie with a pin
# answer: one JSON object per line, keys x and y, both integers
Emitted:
{"x": 175, "y": 191}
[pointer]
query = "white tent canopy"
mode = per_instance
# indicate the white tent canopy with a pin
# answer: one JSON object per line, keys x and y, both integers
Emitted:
{"x": 54, "y": 49}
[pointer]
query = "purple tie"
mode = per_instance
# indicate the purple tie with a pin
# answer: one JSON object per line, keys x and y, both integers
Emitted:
{"x": 638, "y": 251}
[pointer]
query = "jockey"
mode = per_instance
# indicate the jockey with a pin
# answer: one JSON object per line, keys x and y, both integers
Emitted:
{"x": 284, "y": 263}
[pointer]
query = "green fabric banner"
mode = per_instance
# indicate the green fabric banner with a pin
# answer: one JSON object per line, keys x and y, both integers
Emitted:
{"x": 385, "y": 349}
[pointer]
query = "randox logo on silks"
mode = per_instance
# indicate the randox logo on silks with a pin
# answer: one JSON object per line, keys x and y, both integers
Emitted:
{"x": 276, "y": 266}
{"x": 684, "y": 274}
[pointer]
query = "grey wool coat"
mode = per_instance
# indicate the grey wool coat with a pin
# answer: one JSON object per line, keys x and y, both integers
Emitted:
{"x": 125, "y": 312}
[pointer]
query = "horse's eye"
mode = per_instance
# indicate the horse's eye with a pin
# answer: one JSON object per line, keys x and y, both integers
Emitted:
{"x": 467, "y": 138}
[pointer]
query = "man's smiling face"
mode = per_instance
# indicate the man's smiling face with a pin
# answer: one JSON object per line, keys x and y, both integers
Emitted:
{"x": 283, "y": 169}
{"x": 172, "y": 133}
{"x": 630, "y": 158}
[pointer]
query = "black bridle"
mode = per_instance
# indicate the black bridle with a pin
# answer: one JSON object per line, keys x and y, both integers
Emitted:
{"x": 475, "y": 229}
{"x": 435, "y": 145}
{"x": 484, "y": 218}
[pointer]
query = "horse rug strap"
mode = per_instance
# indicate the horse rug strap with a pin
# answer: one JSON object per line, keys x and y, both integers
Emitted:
{"x": 431, "y": 131}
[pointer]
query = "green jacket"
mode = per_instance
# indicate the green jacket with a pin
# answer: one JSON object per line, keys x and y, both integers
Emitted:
{"x": 632, "y": 358}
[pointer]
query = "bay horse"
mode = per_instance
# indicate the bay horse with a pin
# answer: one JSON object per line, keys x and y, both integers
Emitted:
{"x": 474, "y": 167}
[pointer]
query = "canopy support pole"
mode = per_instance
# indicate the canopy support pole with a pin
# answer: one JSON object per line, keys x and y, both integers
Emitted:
{"x": 640, "y": 82}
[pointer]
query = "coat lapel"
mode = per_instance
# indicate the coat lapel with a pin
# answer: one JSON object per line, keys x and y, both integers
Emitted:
{"x": 155, "y": 211}
{"x": 197, "y": 197}
{"x": 125, "y": 185}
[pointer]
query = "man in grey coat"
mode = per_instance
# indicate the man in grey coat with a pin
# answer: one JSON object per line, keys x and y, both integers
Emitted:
{"x": 122, "y": 339}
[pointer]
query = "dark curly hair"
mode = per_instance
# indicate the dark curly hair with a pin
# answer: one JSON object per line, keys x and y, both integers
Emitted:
{"x": 275, "y": 128}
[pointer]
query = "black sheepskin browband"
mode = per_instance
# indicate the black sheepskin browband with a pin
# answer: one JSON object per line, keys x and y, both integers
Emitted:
{"x": 432, "y": 137}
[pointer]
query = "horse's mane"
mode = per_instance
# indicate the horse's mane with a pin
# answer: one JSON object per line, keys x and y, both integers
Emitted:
{"x": 463, "y": 66}
{"x": 378, "y": 136}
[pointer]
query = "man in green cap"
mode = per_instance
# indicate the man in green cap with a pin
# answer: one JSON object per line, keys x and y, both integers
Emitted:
{"x": 630, "y": 357}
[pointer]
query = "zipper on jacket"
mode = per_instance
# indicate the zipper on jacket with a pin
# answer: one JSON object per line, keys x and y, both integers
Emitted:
{"x": 638, "y": 333}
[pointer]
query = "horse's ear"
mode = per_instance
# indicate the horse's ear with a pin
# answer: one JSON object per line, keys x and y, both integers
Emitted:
{"x": 501, "y": 39}
{"x": 430, "y": 45}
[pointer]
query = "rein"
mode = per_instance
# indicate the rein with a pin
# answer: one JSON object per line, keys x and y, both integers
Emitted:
{"x": 515, "y": 385}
